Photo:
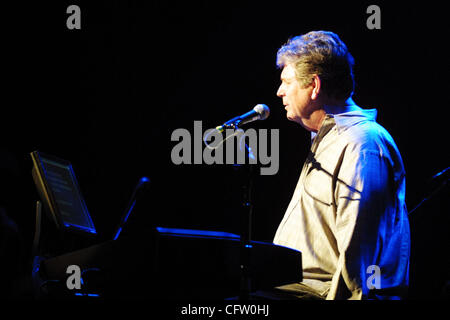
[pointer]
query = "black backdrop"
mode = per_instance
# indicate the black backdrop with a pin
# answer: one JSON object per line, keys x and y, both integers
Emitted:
{"x": 107, "y": 98}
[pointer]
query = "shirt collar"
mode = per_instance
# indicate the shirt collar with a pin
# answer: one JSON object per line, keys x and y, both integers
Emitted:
{"x": 349, "y": 119}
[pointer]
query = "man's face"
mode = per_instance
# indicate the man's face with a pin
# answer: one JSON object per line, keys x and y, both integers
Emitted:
{"x": 297, "y": 100}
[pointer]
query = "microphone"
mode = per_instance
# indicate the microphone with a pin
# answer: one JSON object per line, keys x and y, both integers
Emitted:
{"x": 259, "y": 112}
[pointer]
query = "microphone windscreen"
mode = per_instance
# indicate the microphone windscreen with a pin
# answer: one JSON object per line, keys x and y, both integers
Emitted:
{"x": 263, "y": 110}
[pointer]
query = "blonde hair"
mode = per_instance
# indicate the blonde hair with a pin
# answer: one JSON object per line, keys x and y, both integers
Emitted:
{"x": 324, "y": 54}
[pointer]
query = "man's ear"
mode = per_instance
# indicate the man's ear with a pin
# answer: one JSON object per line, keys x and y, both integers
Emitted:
{"x": 316, "y": 84}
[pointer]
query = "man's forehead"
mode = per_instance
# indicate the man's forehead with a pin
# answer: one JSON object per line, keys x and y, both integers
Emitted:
{"x": 288, "y": 72}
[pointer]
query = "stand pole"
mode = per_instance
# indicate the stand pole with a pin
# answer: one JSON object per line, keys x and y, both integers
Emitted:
{"x": 246, "y": 234}
{"x": 37, "y": 231}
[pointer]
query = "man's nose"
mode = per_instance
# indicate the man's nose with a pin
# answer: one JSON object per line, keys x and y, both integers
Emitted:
{"x": 280, "y": 91}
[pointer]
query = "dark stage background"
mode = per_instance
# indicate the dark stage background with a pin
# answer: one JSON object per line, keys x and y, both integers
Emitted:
{"x": 107, "y": 98}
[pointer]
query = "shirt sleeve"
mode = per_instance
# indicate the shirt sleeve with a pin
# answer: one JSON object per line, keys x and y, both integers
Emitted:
{"x": 362, "y": 201}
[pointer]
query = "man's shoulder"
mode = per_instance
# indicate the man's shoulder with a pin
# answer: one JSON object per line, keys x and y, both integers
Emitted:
{"x": 368, "y": 136}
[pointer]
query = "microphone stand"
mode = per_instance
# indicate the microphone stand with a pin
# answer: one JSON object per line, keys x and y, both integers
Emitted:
{"x": 245, "y": 238}
{"x": 246, "y": 208}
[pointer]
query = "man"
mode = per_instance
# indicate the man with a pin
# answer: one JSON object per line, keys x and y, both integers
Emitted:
{"x": 347, "y": 215}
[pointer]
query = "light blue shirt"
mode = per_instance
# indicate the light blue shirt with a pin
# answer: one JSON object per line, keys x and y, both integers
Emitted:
{"x": 348, "y": 215}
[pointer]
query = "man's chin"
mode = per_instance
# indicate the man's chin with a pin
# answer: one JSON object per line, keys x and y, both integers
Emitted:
{"x": 291, "y": 118}
{"x": 298, "y": 121}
